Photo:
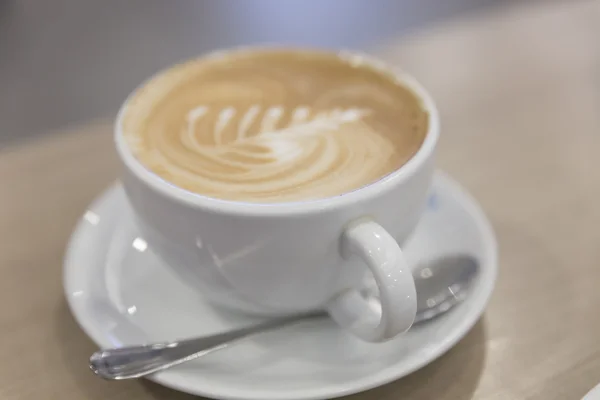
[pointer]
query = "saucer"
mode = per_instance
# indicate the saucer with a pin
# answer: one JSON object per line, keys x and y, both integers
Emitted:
{"x": 121, "y": 294}
{"x": 593, "y": 394}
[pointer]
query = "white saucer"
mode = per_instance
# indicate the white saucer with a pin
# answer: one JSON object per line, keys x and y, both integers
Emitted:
{"x": 593, "y": 394}
{"x": 121, "y": 294}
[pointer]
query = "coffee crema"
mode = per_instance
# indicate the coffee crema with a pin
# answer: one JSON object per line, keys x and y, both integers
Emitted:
{"x": 274, "y": 125}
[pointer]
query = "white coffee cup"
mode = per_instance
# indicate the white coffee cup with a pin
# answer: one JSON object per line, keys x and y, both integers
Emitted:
{"x": 293, "y": 257}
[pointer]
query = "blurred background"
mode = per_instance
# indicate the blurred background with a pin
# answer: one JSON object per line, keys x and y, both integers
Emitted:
{"x": 67, "y": 62}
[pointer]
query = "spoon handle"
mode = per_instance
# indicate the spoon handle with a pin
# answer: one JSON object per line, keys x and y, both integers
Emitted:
{"x": 137, "y": 361}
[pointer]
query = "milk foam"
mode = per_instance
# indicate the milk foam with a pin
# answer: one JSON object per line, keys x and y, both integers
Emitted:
{"x": 230, "y": 138}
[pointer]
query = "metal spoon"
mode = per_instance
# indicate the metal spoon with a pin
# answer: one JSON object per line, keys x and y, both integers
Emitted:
{"x": 440, "y": 284}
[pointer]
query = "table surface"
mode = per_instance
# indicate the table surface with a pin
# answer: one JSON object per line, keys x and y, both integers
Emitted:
{"x": 519, "y": 93}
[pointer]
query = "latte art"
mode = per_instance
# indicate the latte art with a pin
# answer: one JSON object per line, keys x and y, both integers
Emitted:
{"x": 217, "y": 129}
{"x": 267, "y": 143}
{"x": 299, "y": 125}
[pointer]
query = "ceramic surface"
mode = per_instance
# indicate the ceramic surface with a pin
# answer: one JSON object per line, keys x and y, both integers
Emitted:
{"x": 279, "y": 258}
{"x": 121, "y": 293}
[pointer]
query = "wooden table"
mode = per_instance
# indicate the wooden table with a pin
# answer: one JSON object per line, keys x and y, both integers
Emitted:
{"x": 519, "y": 93}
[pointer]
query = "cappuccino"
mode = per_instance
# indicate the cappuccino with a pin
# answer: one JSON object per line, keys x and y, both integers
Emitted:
{"x": 274, "y": 125}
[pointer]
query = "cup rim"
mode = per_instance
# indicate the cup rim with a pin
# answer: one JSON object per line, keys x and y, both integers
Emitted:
{"x": 315, "y": 206}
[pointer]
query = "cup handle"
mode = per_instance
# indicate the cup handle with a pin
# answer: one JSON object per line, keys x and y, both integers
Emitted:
{"x": 380, "y": 252}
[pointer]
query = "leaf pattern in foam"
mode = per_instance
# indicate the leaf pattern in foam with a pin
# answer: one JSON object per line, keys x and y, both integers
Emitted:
{"x": 302, "y": 121}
